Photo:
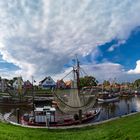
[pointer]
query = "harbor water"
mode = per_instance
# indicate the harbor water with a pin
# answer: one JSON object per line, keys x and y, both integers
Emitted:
{"x": 125, "y": 105}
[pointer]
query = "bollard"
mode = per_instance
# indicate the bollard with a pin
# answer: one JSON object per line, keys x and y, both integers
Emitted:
{"x": 80, "y": 116}
{"x": 18, "y": 115}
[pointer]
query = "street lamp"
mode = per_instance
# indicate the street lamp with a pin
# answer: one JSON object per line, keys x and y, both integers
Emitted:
{"x": 33, "y": 96}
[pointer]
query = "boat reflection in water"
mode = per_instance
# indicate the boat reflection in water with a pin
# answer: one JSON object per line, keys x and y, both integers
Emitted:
{"x": 109, "y": 110}
{"x": 125, "y": 105}
{"x": 137, "y": 104}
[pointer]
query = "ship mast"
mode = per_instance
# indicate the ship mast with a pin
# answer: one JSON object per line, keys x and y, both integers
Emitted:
{"x": 76, "y": 74}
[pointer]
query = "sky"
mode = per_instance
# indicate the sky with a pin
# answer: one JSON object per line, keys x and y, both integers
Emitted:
{"x": 40, "y": 38}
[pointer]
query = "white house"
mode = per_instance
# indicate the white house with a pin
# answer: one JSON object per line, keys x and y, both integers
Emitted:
{"x": 47, "y": 83}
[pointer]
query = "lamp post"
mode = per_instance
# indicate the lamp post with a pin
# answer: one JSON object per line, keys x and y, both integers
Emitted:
{"x": 33, "y": 95}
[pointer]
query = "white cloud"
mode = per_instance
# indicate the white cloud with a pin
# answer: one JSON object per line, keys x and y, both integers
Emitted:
{"x": 41, "y": 36}
{"x": 104, "y": 71}
{"x": 136, "y": 70}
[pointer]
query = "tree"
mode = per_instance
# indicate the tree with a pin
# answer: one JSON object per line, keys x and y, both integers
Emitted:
{"x": 137, "y": 83}
{"x": 87, "y": 81}
{"x": 106, "y": 83}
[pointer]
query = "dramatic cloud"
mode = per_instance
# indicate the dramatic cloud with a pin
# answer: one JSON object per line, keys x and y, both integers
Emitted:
{"x": 40, "y": 36}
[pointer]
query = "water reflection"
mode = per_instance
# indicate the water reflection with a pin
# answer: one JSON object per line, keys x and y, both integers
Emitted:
{"x": 137, "y": 104}
{"x": 6, "y": 109}
{"x": 124, "y": 106}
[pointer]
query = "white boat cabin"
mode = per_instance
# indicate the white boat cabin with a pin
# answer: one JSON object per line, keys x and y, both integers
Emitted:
{"x": 44, "y": 113}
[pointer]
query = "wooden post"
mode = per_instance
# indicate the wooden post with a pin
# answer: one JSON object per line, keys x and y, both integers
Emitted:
{"x": 18, "y": 115}
{"x": 128, "y": 108}
{"x": 108, "y": 108}
{"x": 80, "y": 116}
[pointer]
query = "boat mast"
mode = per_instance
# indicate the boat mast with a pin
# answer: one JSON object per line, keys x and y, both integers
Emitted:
{"x": 78, "y": 75}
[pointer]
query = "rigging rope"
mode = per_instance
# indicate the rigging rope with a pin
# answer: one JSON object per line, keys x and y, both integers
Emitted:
{"x": 63, "y": 102}
{"x": 67, "y": 74}
{"x": 67, "y": 104}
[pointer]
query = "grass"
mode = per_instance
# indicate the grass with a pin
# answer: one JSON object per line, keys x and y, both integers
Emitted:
{"x": 122, "y": 129}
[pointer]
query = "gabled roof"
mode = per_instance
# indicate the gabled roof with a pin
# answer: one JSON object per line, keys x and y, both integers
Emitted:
{"x": 27, "y": 82}
{"x": 60, "y": 81}
{"x": 68, "y": 83}
{"x": 46, "y": 78}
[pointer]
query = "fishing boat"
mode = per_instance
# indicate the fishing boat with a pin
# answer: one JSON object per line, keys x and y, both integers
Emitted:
{"x": 107, "y": 97}
{"x": 74, "y": 108}
{"x": 45, "y": 116}
{"x": 136, "y": 93}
